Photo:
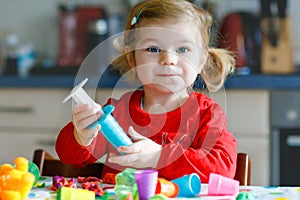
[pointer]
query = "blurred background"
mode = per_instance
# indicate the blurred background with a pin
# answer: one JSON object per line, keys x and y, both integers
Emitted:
{"x": 43, "y": 33}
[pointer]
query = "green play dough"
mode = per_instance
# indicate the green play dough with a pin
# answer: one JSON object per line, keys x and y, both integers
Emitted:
{"x": 33, "y": 168}
{"x": 246, "y": 196}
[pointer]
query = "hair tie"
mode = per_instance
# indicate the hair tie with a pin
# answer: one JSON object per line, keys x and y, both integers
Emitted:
{"x": 136, "y": 18}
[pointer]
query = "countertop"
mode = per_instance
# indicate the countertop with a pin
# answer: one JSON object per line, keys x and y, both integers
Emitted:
{"x": 254, "y": 81}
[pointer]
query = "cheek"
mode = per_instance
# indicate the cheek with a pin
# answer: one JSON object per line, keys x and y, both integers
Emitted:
{"x": 190, "y": 78}
{"x": 191, "y": 71}
{"x": 144, "y": 72}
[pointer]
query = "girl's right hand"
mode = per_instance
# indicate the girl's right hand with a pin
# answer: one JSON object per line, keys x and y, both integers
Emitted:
{"x": 82, "y": 117}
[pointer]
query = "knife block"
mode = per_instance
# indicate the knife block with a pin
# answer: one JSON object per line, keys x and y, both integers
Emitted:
{"x": 277, "y": 59}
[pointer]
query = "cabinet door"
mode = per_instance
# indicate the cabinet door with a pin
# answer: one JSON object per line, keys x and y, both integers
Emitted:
{"x": 248, "y": 119}
{"x": 257, "y": 146}
{"x": 19, "y": 143}
{"x": 247, "y": 111}
{"x": 31, "y": 119}
{"x": 38, "y": 108}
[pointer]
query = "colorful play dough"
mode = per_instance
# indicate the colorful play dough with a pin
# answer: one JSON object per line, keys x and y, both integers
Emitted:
{"x": 60, "y": 181}
{"x": 15, "y": 182}
{"x": 33, "y": 168}
{"x": 126, "y": 184}
{"x": 67, "y": 193}
{"x": 246, "y": 195}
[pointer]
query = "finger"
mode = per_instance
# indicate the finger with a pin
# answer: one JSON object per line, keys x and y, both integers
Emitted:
{"x": 85, "y": 118}
{"x": 80, "y": 107}
{"x": 124, "y": 160}
{"x": 84, "y": 132}
{"x": 113, "y": 154}
{"x": 85, "y": 123}
{"x": 94, "y": 111}
{"x": 134, "y": 148}
{"x": 135, "y": 135}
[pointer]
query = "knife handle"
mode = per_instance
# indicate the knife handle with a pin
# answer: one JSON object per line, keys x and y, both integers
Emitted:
{"x": 282, "y": 6}
{"x": 266, "y": 8}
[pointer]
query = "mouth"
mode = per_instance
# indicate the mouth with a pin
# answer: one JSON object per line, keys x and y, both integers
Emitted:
{"x": 167, "y": 75}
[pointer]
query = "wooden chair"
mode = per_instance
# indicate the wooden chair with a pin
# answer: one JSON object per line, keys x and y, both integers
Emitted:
{"x": 243, "y": 169}
{"x": 50, "y": 166}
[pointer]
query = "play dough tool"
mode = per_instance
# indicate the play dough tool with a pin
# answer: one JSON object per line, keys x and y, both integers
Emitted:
{"x": 109, "y": 126}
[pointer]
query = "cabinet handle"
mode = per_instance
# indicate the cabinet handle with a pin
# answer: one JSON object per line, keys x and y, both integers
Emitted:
{"x": 13, "y": 109}
{"x": 293, "y": 140}
{"x": 46, "y": 142}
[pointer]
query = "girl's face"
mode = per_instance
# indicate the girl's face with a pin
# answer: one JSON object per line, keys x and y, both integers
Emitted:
{"x": 166, "y": 55}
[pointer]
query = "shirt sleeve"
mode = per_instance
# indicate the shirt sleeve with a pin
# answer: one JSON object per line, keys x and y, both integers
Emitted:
{"x": 213, "y": 149}
{"x": 70, "y": 152}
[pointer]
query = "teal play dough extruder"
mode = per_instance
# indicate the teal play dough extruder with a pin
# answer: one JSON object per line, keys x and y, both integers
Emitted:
{"x": 109, "y": 126}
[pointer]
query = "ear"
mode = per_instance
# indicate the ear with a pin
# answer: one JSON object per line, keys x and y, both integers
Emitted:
{"x": 130, "y": 57}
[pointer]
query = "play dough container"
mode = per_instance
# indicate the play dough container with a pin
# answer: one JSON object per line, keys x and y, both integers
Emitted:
{"x": 146, "y": 181}
{"x": 66, "y": 193}
{"x": 189, "y": 185}
{"x": 220, "y": 185}
{"x": 109, "y": 126}
{"x": 167, "y": 188}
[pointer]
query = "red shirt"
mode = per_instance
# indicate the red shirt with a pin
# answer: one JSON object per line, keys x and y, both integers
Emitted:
{"x": 194, "y": 138}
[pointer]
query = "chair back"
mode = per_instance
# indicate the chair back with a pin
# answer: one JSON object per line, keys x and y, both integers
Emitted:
{"x": 49, "y": 166}
{"x": 243, "y": 169}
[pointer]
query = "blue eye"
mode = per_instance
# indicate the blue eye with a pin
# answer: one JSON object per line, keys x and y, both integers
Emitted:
{"x": 182, "y": 50}
{"x": 154, "y": 49}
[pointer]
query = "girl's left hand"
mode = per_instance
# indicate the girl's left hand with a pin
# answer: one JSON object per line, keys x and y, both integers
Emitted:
{"x": 141, "y": 154}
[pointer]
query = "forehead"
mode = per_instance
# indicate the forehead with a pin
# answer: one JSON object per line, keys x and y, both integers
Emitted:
{"x": 167, "y": 31}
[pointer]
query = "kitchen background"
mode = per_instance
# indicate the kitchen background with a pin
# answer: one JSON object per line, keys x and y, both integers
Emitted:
{"x": 34, "y": 25}
{"x": 258, "y": 107}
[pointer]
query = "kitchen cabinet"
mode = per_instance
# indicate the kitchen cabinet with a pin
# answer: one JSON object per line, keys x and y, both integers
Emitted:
{"x": 248, "y": 119}
{"x": 30, "y": 119}
{"x": 247, "y": 113}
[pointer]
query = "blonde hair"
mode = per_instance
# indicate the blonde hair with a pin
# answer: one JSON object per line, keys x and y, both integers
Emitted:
{"x": 219, "y": 62}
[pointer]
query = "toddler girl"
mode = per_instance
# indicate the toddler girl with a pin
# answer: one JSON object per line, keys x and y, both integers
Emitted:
{"x": 175, "y": 130}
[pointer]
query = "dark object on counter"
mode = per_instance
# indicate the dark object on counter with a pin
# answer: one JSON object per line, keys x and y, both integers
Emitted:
{"x": 68, "y": 55}
{"x": 273, "y": 30}
{"x": 277, "y": 50}
{"x": 57, "y": 70}
{"x": 97, "y": 31}
{"x": 11, "y": 66}
{"x": 240, "y": 33}
{"x": 73, "y": 32}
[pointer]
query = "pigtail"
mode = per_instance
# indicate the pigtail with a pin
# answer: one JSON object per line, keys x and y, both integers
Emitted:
{"x": 219, "y": 64}
{"x": 120, "y": 62}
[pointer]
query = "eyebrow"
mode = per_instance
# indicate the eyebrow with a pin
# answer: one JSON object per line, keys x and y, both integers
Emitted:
{"x": 155, "y": 40}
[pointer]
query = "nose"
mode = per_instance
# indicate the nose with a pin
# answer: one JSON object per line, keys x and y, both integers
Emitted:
{"x": 168, "y": 58}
